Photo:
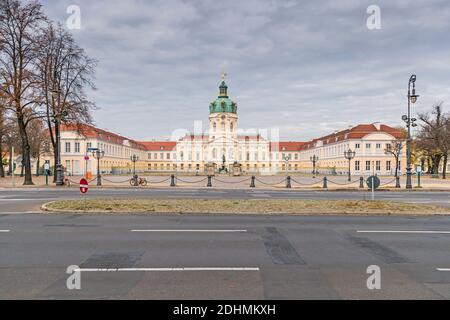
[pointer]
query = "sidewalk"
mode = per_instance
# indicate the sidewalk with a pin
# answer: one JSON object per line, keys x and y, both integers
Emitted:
{"x": 299, "y": 182}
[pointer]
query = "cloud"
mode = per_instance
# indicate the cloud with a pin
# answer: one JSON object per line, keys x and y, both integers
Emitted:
{"x": 305, "y": 67}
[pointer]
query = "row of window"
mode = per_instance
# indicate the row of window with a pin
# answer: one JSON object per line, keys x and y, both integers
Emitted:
{"x": 388, "y": 165}
{"x": 68, "y": 147}
{"x": 369, "y": 146}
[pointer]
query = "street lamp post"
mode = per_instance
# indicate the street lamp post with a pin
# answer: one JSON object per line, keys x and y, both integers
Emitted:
{"x": 349, "y": 155}
{"x": 98, "y": 155}
{"x": 134, "y": 158}
{"x": 58, "y": 117}
{"x": 314, "y": 159}
{"x": 286, "y": 161}
{"x": 410, "y": 123}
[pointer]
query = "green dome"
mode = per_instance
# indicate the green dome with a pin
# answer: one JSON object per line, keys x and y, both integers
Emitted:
{"x": 223, "y": 103}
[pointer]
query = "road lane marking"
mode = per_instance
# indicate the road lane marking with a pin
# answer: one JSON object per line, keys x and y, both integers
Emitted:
{"x": 164, "y": 269}
{"x": 443, "y": 269}
{"x": 404, "y": 231}
{"x": 5, "y": 231}
{"x": 191, "y": 231}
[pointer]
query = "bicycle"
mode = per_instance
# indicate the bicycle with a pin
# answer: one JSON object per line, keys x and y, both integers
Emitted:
{"x": 138, "y": 182}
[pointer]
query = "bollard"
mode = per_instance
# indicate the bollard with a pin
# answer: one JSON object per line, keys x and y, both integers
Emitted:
{"x": 172, "y": 181}
{"x": 209, "y": 182}
{"x": 252, "y": 185}
{"x": 325, "y": 183}
{"x": 397, "y": 182}
{"x": 361, "y": 183}
{"x": 288, "y": 183}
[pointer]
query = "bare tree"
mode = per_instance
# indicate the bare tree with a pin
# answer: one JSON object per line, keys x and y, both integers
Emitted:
{"x": 65, "y": 71}
{"x": 20, "y": 25}
{"x": 395, "y": 149}
{"x": 433, "y": 137}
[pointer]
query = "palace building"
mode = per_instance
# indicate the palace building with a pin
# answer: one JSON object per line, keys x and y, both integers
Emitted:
{"x": 223, "y": 149}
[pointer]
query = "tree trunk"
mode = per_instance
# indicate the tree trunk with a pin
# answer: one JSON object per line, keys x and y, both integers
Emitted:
{"x": 444, "y": 169}
{"x": 56, "y": 150}
{"x": 2, "y": 169}
{"x": 11, "y": 169}
{"x": 26, "y": 157}
{"x": 38, "y": 164}
{"x": 396, "y": 167}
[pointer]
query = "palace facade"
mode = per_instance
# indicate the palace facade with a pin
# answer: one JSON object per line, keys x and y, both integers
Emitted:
{"x": 223, "y": 148}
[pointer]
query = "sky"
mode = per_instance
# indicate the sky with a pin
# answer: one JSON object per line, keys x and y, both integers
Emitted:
{"x": 304, "y": 67}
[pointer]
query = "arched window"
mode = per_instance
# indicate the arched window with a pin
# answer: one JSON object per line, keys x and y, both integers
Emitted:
{"x": 214, "y": 126}
{"x": 223, "y": 126}
{"x": 232, "y": 127}
{"x": 214, "y": 153}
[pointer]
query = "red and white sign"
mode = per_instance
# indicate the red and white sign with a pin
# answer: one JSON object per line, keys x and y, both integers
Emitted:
{"x": 86, "y": 158}
{"x": 84, "y": 186}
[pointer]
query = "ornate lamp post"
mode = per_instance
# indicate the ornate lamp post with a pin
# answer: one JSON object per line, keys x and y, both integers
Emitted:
{"x": 286, "y": 162}
{"x": 134, "y": 158}
{"x": 314, "y": 159}
{"x": 410, "y": 122}
{"x": 349, "y": 155}
{"x": 57, "y": 119}
{"x": 97, "y": 154}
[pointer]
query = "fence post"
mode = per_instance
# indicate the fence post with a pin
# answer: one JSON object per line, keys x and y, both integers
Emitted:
{"x": 397, "y": 182}
{"x": 209, "y": 182}
{"x": 288, "y": 183}
{"x": 325, "y": 183}
{"x": 361, "y": 183}
{"x": 252, "y": 185}
{"x": 172, "y": 181}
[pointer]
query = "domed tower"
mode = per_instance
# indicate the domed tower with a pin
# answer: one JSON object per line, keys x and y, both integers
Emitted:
{"x": 223, "y": 115}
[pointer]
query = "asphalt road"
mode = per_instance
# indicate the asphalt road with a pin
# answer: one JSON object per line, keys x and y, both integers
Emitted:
{"x": 30, "y": 200}
{"x": 255, "y": 257}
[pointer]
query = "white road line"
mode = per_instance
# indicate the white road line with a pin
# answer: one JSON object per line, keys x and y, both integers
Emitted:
{"x": 405, "y": 231}
{"x": 443, "y": 269}
{"x": 193, "y": 231}
{"x": 5, "y": 231}
{"x": 163, "y": 269}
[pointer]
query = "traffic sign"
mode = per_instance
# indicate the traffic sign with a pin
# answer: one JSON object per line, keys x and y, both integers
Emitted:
{"x": 86, "y": 158}
{"x": 84, "y": 186}
{"x": 373, "y": 181}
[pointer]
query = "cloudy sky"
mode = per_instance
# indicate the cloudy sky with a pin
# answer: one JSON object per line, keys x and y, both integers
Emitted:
{"x": 307, "y": 67}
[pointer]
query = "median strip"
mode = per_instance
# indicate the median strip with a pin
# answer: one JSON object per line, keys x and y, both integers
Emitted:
{"x": 239, "y": 206}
